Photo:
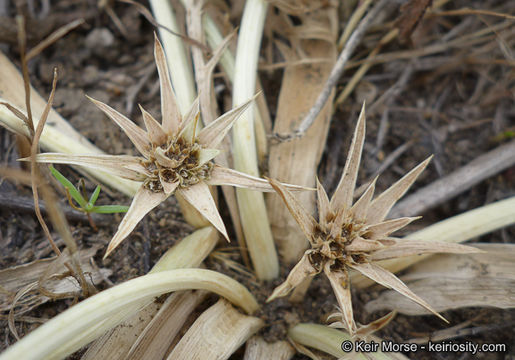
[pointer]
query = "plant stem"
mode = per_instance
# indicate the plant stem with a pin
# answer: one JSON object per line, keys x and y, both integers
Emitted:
{"x": 253, "y": 213}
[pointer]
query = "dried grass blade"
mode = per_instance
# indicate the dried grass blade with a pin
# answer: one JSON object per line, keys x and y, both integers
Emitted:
{"x": 157, "y": 337}
{"x": 83, "y": 318}
{"x": 116, "y": 343}
{"x": 190, "y": 252}
{"x": 416, "y": 247}
{"x": 187, "y": 253}
{"x": 451, "y": 281}
{"x": 57, "y": 281}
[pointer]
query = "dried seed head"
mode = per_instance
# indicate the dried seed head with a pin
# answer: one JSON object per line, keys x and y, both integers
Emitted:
{"x": 177, "y": 161}
{"x": 353, "y": 236}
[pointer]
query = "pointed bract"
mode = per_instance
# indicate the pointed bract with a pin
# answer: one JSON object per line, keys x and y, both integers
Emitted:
{"x": 207, "y": 155}
{"x": 191, "y": 116}
{"x": 200, "y": 197}
{"x": 212, "y": 135}
{"x": 128, "y": 167}
{"x": 307, "y": 224}
{"x": 341, "y": 286}
{"x": 168, "y": 187}
{"x": 323, "y": 205}
{"x": 144, "y": 201}
{"x": 360, "y": 245}
{"x": 224, "y": 176}
{"x": 381, "y": 205}
{"x": 360, "y": 209}
{"x": 165, "y": 161}
{"x": 171, "y": 116}
{"x": 385, "y": 228}
{"x": 342, "y": 198}
{"x": 137, "y": 135}
{"x": 302, "y": 270}
{"x": 156, "y": 134}
{"x": 389, "y": 280}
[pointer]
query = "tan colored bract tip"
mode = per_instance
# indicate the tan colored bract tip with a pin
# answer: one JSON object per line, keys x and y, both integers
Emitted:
{"x": 172, "y": 161}
{"x": 354, "y": 236}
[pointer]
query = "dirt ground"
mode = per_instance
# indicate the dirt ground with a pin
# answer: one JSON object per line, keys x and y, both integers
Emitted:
{"x": 457, "y": 112}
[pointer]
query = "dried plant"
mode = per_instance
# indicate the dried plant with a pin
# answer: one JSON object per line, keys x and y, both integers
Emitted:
{"x": 172, "y": 160}
{"x": 356, "y": 236}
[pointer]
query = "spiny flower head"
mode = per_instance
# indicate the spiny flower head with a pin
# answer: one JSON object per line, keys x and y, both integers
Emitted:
{"x": 175, "y": 159}
{"x": 355, "y": 236}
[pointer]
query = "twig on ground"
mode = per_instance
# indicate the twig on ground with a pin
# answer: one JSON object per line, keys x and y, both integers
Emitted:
{"x": 337, "y": 71}
{"x": 12, "y": 201}
{"x": 457, "y": 182}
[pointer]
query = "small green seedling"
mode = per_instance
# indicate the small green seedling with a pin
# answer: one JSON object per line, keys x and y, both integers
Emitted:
{"x": 85, "y": 206}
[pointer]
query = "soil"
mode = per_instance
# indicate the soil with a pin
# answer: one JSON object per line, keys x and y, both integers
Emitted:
{"x": 458, "y": 113}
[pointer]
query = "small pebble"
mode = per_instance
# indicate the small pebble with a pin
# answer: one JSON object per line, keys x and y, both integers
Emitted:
{"x": 98, "y": 39}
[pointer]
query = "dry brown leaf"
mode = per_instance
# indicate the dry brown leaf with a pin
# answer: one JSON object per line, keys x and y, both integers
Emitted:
{"x": 216, "y": 334}
{"x": 411, "y": 13}
{"x": 115, "y": 343}
{"x": 155, "y": 340}
{"x": 296, "y": 161}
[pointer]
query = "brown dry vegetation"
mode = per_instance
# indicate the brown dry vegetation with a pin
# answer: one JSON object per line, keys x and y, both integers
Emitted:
{"x": 444, "y": 86}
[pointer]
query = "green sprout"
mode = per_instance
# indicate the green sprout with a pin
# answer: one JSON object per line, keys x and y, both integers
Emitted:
{"x": 85, "y": 206}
